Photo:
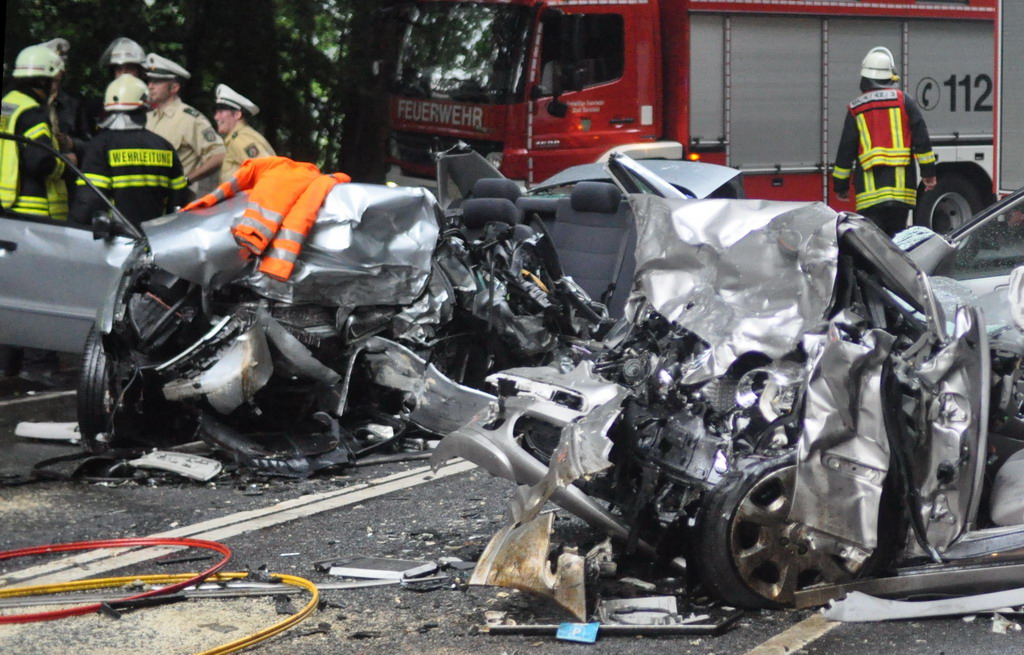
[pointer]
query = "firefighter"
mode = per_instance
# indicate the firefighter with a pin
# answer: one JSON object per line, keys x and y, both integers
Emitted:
{"x": 232, "y": 116}
{"x": 883, "y": 128}
{"x": 31, "y": 179}
{"x": 136, "y": 168}
{"x": 198, "y": 146}
{"x": 124, "y": 56}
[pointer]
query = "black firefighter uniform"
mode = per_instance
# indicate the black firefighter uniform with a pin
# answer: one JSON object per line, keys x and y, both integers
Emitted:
{"x": 137, "y": 169}
{"x": 883, "y": 128}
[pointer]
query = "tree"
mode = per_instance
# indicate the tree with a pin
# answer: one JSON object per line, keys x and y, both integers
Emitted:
{"x": 308, "y": 64}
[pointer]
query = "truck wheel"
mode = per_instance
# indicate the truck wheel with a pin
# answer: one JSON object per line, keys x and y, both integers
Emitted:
{"x": 747, "y": 553}
{"x": 949, "y": 205}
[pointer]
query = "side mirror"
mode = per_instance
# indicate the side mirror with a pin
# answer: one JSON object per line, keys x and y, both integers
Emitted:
{"x": 557, "y": 108}
{"x": 103, "y": 227}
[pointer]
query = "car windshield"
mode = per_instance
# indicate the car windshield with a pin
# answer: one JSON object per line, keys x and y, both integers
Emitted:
{"x": 463, "y": 51}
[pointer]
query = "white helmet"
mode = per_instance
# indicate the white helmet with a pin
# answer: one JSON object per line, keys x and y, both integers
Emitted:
{"x": 878, "y": 64}
{"x": 123, "y": 50}
{"x": 126, "y": 93}
{"x": 38, "y": 61}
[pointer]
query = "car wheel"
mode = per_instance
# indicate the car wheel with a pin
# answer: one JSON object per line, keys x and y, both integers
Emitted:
{"x": 748, "y": 553}
{"x": 96, "y": 393}
{"x": 949, "y": 205}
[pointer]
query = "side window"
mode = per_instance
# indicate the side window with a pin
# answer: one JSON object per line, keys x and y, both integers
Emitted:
{"x": 993, "y": 248}
{"x": 602, "y": 50}
{"x": 581, "y": 50}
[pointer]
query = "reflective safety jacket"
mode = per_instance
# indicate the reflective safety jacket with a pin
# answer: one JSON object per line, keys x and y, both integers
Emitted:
{"x": 30, "y": 178}
{"x": 883, "y": 128}
{"x": 284, "y": 198}
{"x": 137, "y": 169}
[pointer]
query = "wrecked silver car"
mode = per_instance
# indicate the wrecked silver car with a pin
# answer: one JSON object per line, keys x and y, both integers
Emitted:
{"x": 794, "y": 405}
{"x": 392, "y": 310}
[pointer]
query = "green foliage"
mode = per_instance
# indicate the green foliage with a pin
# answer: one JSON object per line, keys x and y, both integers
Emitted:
{"x": 293, "y": 58}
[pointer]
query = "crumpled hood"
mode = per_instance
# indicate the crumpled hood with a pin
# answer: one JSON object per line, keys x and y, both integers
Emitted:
{"x": 370, "y": 245}
{"x": 743, "y": 275}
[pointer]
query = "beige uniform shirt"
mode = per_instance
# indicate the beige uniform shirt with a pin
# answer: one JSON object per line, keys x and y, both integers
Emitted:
{"x": 191, "y": 135}
{"x": 244, "y": 143}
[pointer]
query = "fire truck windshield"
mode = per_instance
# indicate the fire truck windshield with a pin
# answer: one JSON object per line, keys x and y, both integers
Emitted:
{"x": 464, "y": 52}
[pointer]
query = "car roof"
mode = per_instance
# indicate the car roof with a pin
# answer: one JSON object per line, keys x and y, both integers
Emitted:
{"x": 697, "y": 178}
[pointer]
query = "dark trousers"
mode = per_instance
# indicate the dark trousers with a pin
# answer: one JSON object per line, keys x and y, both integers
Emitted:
{"x": 890, "y": 217}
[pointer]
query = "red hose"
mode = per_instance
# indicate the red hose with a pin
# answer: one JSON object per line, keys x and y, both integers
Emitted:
{"x": 115, "y": 543}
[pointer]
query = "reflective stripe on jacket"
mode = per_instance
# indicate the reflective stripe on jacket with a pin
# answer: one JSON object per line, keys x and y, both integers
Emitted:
{"x": 47, "y": 196}
{"x": 284, "y": 198}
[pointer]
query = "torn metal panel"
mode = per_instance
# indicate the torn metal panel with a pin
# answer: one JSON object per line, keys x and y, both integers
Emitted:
{"x": 517, "y": 557}
{"x": 435, "y": 402}
{"x": 949, "y": 471}
{"x": 860, "y": 607}
{"x": 235, "y": 376}
{"x": 742, "y": 275}
{"x": 843, "y": 454}
{"x": 552, "y": 397}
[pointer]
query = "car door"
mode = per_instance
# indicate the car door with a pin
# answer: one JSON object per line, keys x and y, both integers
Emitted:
{"x": 53, "y": 277}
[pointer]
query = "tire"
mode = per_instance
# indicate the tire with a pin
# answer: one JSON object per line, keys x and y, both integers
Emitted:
{"x": 96, "y": 394}
{"x": 952, "y": 202}
{"x": 747, "y": 554}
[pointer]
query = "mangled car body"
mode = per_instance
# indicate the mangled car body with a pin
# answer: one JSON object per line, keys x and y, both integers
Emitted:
{"x": 390, "y": 308}
{"x": 794, "y": 404}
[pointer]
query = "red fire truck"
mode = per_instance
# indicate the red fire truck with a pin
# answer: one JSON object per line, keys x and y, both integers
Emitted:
{"x": 762, "y": 86}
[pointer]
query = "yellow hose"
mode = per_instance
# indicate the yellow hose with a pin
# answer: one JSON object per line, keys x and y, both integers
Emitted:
{"x": 232, "y": 647}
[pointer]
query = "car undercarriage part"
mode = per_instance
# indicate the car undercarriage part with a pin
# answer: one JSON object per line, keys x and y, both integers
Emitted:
{"x": 173, "y": 583}
{"x": 928, "y": 581}
{"x": 186, "y": 581}
{"x": 860, "y": 607}
{"x": 714, "y": 628}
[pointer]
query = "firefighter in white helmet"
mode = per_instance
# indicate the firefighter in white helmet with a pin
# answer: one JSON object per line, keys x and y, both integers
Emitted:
{"x": 134, "y": 167}
{"x": 884, "y": 131}
{"x": 31, "y": 177}
{"x": 124, "y": 56}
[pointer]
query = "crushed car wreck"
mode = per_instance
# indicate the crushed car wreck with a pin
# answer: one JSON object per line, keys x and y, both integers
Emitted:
{"x": 794, "y": 406}
{"x": 376, "y": 332}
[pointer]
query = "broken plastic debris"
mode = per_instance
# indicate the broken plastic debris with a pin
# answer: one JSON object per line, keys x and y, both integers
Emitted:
{"x": 1002, "y": 625}
{"x": 189, "y": 466}
{"x": 49, "y": 431}
{"x": 380, "y": 568}
{"x": 585, "y": 633}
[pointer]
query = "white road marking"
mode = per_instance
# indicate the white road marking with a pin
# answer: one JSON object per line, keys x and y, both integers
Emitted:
{"x": 95, "y": 562}
{"x": 38, "y": 396}
{"x": 796, "y": 637}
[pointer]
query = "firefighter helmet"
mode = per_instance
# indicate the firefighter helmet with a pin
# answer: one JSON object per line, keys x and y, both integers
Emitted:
{"x": 121, "y": 51}
{"x": 879, "y": 64}
{"x": 126, "y": 93}
{"x": 38, "y": 61}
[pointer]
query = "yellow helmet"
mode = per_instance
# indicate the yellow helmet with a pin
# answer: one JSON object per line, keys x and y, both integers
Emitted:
{"x": 38, "y": 61}
{"x": 126, "y": 93}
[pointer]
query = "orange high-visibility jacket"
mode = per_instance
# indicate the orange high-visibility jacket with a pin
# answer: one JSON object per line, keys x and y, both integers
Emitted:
{"x": 284, "y": 198}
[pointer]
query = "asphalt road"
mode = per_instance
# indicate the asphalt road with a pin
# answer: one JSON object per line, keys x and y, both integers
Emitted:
{"x": 394, "y": 510}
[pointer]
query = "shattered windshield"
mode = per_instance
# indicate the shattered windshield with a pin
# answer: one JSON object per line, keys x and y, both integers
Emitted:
{"x": 463, "y": 51}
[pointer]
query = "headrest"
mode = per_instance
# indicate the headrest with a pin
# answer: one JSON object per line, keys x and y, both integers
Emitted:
{"x": 478, "y": 212}
{"x": 599, "y": 197}
{"x": 496, "y": 187}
